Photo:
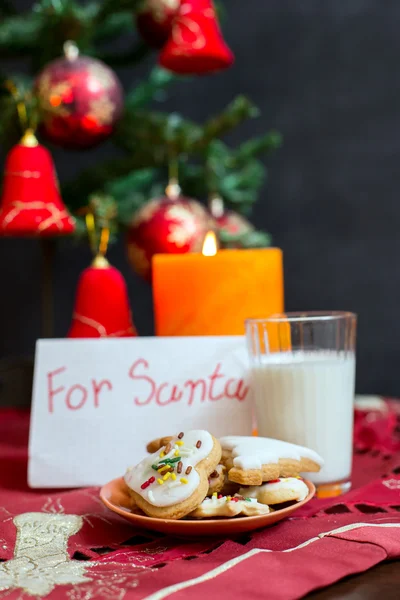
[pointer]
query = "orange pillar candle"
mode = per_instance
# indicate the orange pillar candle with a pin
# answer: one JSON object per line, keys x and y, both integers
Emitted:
{"x": 195, "y": 294}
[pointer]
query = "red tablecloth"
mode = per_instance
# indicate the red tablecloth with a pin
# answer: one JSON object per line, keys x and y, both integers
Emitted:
{"x": 66, "y": 545}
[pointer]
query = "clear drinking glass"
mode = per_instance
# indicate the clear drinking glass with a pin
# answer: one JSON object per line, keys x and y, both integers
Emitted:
{"x": 303, "y": 377}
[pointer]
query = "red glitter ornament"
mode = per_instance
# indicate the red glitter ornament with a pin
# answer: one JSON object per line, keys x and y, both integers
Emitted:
{"x": 235, "y": 225}
{"x": 154, "y": 20}
{"x": 229, "y": 221}
{"x": 166, "y": 226}
{"x": 80, "y": 100}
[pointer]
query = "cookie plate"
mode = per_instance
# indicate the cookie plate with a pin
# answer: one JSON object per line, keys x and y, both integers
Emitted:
{"x": 116, "y": 497}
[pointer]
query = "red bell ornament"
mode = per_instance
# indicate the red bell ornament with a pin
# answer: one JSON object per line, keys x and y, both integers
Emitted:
{"x": 31, "y": 204}
{"x": 101, "y": 305}
{"x": 196, "y": 45}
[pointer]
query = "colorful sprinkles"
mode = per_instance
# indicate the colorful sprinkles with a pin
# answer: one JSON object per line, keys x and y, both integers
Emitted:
{"x": 146, "y": 484}
{"x": 165, "y": 468}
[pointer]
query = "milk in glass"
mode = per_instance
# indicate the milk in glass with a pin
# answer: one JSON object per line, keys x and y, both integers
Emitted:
{"x": 307, "y": 398}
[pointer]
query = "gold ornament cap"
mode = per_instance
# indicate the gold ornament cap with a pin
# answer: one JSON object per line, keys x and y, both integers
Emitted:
{"x": 29, "y": 139}
{"x": 217, "y": 207}
{"x": 71, "y": 50}
{"x": 100, "y": 262}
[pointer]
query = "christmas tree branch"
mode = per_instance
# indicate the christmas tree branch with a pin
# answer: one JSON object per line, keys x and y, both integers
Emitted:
{"x": 20, "y": 35}
{"x": 147, "y": 91}
{"x": 239, "y": 110}
{"x": 98, "y": 178}
{"x": 113, "y": 26}
{"x": 137, "y": 53}
{"x": 162, "y": 133}
{"x": 252, "y": 148}
{"x": 110, "y": 7}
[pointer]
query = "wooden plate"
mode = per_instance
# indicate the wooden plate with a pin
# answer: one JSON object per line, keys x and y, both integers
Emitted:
{"x": 116, "y": 497}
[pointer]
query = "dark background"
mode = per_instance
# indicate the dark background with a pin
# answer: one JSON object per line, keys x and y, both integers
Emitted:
{"x": 326, "y": 74}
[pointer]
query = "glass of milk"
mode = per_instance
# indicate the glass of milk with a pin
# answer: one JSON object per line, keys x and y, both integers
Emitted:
{"x": 303, "y": 373}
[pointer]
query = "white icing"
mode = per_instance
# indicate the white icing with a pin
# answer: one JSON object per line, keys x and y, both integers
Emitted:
{"x": 171, "y": 492}
{"x": 291, "y": 484}
{"x": 252, "y": 452}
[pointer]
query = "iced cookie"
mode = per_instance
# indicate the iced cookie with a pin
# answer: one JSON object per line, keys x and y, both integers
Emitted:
{"x": 216, "y": 480}
{"x": 287, "y": 489}
{"x": 229, "y": 506}
{"x": 219, "y": 482}
{"x": 155, "y": 445}
{"x": 173, "y": 481}
{"x": 252, "y": 460}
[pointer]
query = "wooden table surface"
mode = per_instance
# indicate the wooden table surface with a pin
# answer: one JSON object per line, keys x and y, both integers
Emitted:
{"x": 381, "y": 582}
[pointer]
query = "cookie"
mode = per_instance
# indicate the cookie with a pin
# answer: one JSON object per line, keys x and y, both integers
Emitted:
{"x": 173, "y": 481}
{"x": 216, "y": 480}
{"x": 253, "y": 460}
{"x": 229, "y": 506}
{"x": 155, "y": 445}
{"x": 289, "y": 489}
{"x": 219, "y": 482}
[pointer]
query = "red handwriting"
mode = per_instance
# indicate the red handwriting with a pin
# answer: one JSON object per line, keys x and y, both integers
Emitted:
{"x": 74, "y": 396}
{"x": 214, "y": 387}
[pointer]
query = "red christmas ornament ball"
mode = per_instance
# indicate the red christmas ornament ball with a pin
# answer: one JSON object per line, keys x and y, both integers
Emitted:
{"x": 154, "y": 20}
{"x": 233, "y": 224}
{"x": 165, "y": 226}
{"x": 80, "y": 101}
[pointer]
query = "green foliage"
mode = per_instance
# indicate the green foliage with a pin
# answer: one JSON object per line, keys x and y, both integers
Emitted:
{"x": 251, "y": 239}
{"x": 145, "y": 140}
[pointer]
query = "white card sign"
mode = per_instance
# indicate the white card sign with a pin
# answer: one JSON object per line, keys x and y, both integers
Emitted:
{"x": 97, "y": 403}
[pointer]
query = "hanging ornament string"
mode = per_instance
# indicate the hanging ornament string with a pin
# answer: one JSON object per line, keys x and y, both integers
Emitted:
{"x": 28, "y": 123}
{"x": 104, "y": 239}
{"x": 99, "y": 249}
{"x": 91, "y": 231}
{"x": 20, "y": 106}
{"x": 173, "y": 189}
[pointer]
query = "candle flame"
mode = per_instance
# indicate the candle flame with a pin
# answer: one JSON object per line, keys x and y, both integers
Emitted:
{"x": 210, "y": 245}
